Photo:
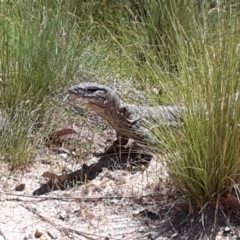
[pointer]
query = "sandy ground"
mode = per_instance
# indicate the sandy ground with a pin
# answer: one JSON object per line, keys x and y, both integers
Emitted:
{"x": 108, "y": 207}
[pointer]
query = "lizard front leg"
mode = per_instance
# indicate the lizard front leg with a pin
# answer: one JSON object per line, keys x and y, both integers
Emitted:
{"x": 124, "y": 113}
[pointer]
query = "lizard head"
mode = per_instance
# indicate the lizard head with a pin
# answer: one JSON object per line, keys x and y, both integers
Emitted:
{"x": 94, "y": 94}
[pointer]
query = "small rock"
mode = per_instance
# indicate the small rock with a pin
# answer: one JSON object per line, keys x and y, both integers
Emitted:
{"x": 63, "y": 216}
{"x": 227, "y": 229}
{"x": 136, "y": 213}
{"x": 74, "y": 153}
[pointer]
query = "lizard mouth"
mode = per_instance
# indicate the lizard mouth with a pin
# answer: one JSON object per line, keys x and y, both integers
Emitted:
{"x": 71, "y": 97}
{"x": 86, "y": 96}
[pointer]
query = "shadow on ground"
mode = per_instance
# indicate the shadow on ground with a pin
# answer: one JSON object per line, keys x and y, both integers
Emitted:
{"x": 131, "y": 158}
{"x": 180, "y": 221}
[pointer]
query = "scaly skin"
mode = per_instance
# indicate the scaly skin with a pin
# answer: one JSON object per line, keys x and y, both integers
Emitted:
{"x": 129, "y": 121}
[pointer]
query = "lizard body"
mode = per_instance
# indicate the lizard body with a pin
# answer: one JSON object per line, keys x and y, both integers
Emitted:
{"x": 129, "y": 120}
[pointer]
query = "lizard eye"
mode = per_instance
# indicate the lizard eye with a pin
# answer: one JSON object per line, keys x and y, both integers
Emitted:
{"x": 91, "y": 90}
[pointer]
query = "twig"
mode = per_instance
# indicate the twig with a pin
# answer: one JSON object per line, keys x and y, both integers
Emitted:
{"x": 1, "y": 233}
{"x": 85, "y": 199}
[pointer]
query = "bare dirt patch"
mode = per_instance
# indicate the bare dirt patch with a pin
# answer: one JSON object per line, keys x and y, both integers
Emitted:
{"x": 116, "y": 204}
{"x": 108, "y": 207}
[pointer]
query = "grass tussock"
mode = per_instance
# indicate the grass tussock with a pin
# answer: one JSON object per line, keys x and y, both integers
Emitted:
{"x": 44, "y": 45}
{"x": 204, "y": 154}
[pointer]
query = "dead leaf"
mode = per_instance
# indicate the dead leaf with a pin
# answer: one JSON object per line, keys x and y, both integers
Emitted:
{"x": 20, "y": 187}
{"x": 64, "y": 131}
{"x": 38, "y": 234}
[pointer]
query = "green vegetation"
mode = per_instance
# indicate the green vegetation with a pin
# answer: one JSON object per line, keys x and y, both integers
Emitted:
{"x": 204, "y": 156}
{"x": 187, "y": 51}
